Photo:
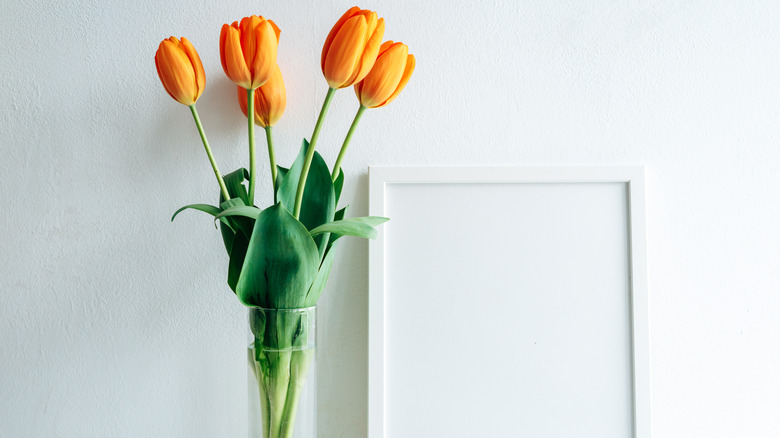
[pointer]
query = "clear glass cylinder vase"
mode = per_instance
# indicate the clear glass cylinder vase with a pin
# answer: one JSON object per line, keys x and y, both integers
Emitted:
{"x": 282, "y": 357}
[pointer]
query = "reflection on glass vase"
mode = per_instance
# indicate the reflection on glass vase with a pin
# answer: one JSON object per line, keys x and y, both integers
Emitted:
{"x": 282, "y": 373}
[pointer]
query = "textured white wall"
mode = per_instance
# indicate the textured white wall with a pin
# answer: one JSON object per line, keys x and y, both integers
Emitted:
{"x": 115, "y": 322}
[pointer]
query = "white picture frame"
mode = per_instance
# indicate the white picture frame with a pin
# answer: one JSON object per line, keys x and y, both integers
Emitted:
{"x": 596, "y": 195}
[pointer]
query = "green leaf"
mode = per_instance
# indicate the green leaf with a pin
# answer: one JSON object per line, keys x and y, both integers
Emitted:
{"x": 210, "y": 209}
{"x": 281, "y": 262}
{"x": 287, "y": 188}
{"x": 356, "y": 226}
{"x": 234, "y": 202}
{"x": 319, "y": 198}
{"x": 338, "y": 184}
{"x": 234, "y": 181}
{"x": 340, "y": 214}
{"x": 206, "y": 208}
{"x": 280, "y": 173}
{"x": 238, "y": 196}
{"x": 334, "y": 237}
{"x": 241, "y": 218}
{"x": 236, "y": 223}
{"x": 240, "y": 210}
{"x": 322, "y": 278}
{"x": 237, "y": 256}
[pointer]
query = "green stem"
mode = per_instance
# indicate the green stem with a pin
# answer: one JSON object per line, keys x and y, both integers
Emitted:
{"x": 221, "y": 182}
{"x": 280, "y": 382}
{"x": 269, "y": 139}
{"x": 310, "y": 152}
{"x": 257, "y": 371}
{"x": 250, "y": 111}
{"x": 299, "y": 370}
{"x": 343, "y": 151}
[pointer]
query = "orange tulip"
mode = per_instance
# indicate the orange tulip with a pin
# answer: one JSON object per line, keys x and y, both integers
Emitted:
{"x": 180, "y": 70}
{"x": 351, "y": 47}
{"x": 248, "y": 50}
{"x": 270, "y": 100}
{"x": 391, "y": 72}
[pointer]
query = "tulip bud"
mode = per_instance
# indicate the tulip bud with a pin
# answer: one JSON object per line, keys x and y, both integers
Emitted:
{"x": 391, "y": 72}
{"x": 351, "y": 47}
{"x": 248, "y": 50}
{"x": 180, "y": 70}
{"x": 270, "y": 100}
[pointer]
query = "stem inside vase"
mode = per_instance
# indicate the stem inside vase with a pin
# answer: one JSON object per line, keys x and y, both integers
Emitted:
{"x": 282, "y": 363}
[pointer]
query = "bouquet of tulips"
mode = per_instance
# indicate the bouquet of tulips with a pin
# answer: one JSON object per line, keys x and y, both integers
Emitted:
{"x": 280, "y": 256}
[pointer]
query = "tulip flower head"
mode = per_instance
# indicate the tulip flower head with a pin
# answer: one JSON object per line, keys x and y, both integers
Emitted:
{"x": 248, "y": 50}
{"x": 180, "y": 70}
{"x": 391, "y": 72}
{"x": 351, "y": 47}
{"x": 270, "y": 100}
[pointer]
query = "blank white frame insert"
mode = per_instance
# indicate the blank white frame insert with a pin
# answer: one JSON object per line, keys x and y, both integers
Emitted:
{"x": 508, "y": 301}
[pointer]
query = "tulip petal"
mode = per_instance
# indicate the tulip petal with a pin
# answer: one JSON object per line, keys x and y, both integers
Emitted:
{"x": 345, "y": 51}
{"x": 383, "y": 48}
{"x": 160, "y": 75}
{"x": 222, "y": 39}
{"x": 370, "y": 53}
{"x": 371, "y": 20}
{"x": 197, "y": 65}
{"x": 410, "y": 63}
{"x": 277, "y": 31}
{"x": 233, "y": 59}
{"x": 248, "y": 31}
{"x": 385, "y": 76}
{"x": 334, "y": 31}
{"x": 359, "y": 91}
{"x": 242, "y": 99}
{"x": 261, "y": 108}
{"x": 264, "y": 59}
{"x": 271, "y": 99}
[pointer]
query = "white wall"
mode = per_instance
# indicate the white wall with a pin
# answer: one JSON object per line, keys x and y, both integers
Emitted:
{"x": 115, "y": 322}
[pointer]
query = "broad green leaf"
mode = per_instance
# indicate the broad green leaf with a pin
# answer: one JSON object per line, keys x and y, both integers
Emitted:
{"x": 257, "y": 320}
{"x": 238, "y": 241}
{"x": 234, "y": 181}
{"x": 322, "y": 278}
{"x": 281, "y": 262}
{"x": 340, "y": 214}
{"x": 286, "y": 189}
{"x": 319, "y": 198}
{"x": 338, "y": 184}
{"x": 356, "y": 226}
{"x": 234, "y": 202}
{"x": 236, "y": 223}
{"x": 238, "y": 196}
{"x": 280, "y": 173}
{"x": 237, "y": 256}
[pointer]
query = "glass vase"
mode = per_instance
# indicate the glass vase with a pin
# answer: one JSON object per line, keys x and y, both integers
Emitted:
{"x": 282, "y": 373}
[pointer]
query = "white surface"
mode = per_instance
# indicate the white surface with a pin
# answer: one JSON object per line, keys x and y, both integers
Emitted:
{"x": 116, "y": 322}
{"x": 503, "y": 297}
